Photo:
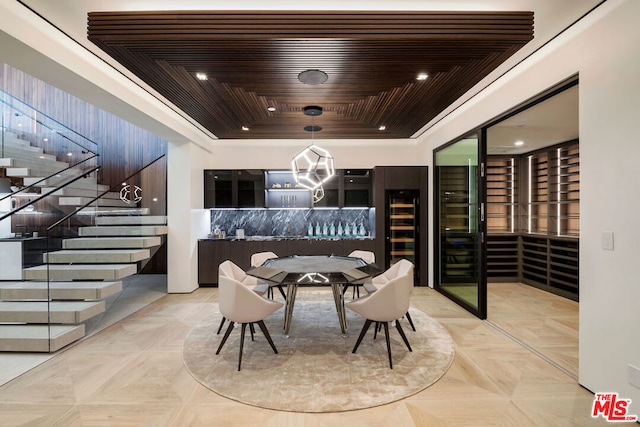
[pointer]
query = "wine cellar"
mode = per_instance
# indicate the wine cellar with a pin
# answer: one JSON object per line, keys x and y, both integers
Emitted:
{"x": 533, "y": 220}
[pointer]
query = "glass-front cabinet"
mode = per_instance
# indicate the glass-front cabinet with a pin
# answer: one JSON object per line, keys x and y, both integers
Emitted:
{"x": 402, "y": 232}
{"x": 227, "y": 188}
{"x": 256, "y": 188}
{"x": 281, "y": 191}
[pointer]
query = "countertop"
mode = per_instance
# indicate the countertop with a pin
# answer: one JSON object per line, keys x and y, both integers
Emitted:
{"x": 271, "y": 238}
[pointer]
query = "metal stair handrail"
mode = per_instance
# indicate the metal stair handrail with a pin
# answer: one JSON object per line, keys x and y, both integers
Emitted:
{"x": 113, "y": 187}
{"x": 42, "y": 196}
{"x": 35, "y": 184}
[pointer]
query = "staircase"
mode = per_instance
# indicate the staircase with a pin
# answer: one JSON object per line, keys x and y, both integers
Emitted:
{"x": 46, "y": 311}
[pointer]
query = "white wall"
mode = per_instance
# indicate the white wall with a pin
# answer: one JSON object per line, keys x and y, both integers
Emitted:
{"x": 603, "y": 49}
{"x": 273, "y": 154}
{"x": 187, "y": 220}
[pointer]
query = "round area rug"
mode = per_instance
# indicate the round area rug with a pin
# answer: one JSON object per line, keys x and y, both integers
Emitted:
{"x": 314, "y": 370}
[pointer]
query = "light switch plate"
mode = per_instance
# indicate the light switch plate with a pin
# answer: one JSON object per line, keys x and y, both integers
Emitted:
{"x": 607, "y": 240}
{"x": 633, "y": 375}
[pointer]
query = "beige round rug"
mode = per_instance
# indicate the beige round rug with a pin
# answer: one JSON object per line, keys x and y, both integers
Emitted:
{"x": 314, "y": 370}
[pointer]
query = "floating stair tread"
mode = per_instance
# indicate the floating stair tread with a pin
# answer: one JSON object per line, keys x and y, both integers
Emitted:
{"x": 11, "y": 138}
{"x": 75, "y": 290}
{"x": 79, "y": 201}
{"x": 133, "y": 230}
{"x": 72, "y": 191}
{"x": 41, "y": 170}
{"x": 27, "y": 153}
{"x": 106, "y": 210}
{"x": 108, "y": 256}
{"x": 79, "y": 272}
{"x": 112, "y": 242}
{"x": 35, "y": 338}
{"x": 131, "y": 220}
{"x": 84, "y": 183}
{"x": 65, "y": 312}
{"x": 33, "y": 161}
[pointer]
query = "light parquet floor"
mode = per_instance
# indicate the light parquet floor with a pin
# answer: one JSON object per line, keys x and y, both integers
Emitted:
{"x": 544, "y": 322}
{"x": 132, "y": 374}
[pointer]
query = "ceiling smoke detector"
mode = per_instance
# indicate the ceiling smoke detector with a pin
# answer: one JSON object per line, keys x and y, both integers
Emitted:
{"x": 313, "y": 77}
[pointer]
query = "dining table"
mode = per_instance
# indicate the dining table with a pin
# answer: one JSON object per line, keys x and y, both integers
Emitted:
{"x": 334, "y": 271}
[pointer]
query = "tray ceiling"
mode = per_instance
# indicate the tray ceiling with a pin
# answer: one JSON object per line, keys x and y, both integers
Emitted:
{"x": 253, "y": 61}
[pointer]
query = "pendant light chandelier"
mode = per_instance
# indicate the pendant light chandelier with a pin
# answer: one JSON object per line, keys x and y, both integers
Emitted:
{"x": 313, "y": 166}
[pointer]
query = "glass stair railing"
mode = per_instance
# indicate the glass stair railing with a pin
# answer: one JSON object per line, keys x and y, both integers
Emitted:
{"x": 66, "y": 241}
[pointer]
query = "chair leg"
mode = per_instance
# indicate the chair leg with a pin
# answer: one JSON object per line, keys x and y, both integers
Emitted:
{"x": 356, "y": 291}
{"x": 378, "y": 329}
{"x": 281, "y": 292}
{"x": 265, "y": 331}
{"x": 410, "y": 321}
{"x": 224, "y": 338}
{"x": 221, "y": 324}
{"x": 401, "y": 332}
{"x": 364, "y": 330}
{"x": 244, "y": 328}
{"x": 253, "y": 331}
{"x": 386, "y": 335}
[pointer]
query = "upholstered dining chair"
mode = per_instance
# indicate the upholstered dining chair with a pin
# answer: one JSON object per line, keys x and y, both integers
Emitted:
{"x": 400, "y": 268}
{"x": 368, "y": 257}
{"x": 229, "y": 269}
{"x": 385, "y": 305}
{"x": 241, "y": 305}
{"x": 257, "y": 259}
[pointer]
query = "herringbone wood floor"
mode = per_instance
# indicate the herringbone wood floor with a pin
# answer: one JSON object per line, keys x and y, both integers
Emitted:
{"x": 132, "y": 374}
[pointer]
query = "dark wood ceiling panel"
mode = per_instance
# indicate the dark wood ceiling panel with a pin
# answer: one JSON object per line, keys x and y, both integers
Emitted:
{"x": 253, "y": 59}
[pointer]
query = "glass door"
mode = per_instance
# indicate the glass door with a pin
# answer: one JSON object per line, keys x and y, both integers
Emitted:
{"x": 460, "y": 224}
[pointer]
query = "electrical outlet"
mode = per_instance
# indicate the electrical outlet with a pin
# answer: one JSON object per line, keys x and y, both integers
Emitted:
{"x": 633, "y": 375}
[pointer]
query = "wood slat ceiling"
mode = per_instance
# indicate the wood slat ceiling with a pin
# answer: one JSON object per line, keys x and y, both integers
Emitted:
{"x": 253, "y": 59}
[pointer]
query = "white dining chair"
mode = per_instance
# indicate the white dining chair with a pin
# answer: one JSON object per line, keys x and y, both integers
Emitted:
{"x": 400, "y": 268}
{"x": 387, "y": 304}
{"x": 257, "y": 259}
{"x": 230, "y": 269}
{"x": 368, "y": 257}
{"x": 239, "y": 304}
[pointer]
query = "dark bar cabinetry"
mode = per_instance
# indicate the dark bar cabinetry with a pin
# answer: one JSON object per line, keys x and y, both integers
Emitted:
{"x": 401, "y": 193}
{"x": 212, "y": 252}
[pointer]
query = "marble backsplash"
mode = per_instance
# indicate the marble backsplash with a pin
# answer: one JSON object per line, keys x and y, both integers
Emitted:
{"x": 289, "y": 222}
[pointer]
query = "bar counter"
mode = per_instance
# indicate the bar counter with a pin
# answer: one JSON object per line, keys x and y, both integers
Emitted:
{"x": 211, "y": 252}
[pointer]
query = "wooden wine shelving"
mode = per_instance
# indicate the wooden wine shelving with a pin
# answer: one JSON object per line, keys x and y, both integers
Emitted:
{"x": 533, "y": 218}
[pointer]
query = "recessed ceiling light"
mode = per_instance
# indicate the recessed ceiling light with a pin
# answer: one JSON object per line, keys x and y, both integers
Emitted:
{"x": 244, "y": 128}
{"x": 382, "y": 128}
{"x": 271, "y": 109}
{"x": 201, "y": 76}
{"x": 518, "y": 143}
{"x": 422, "y": 76}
